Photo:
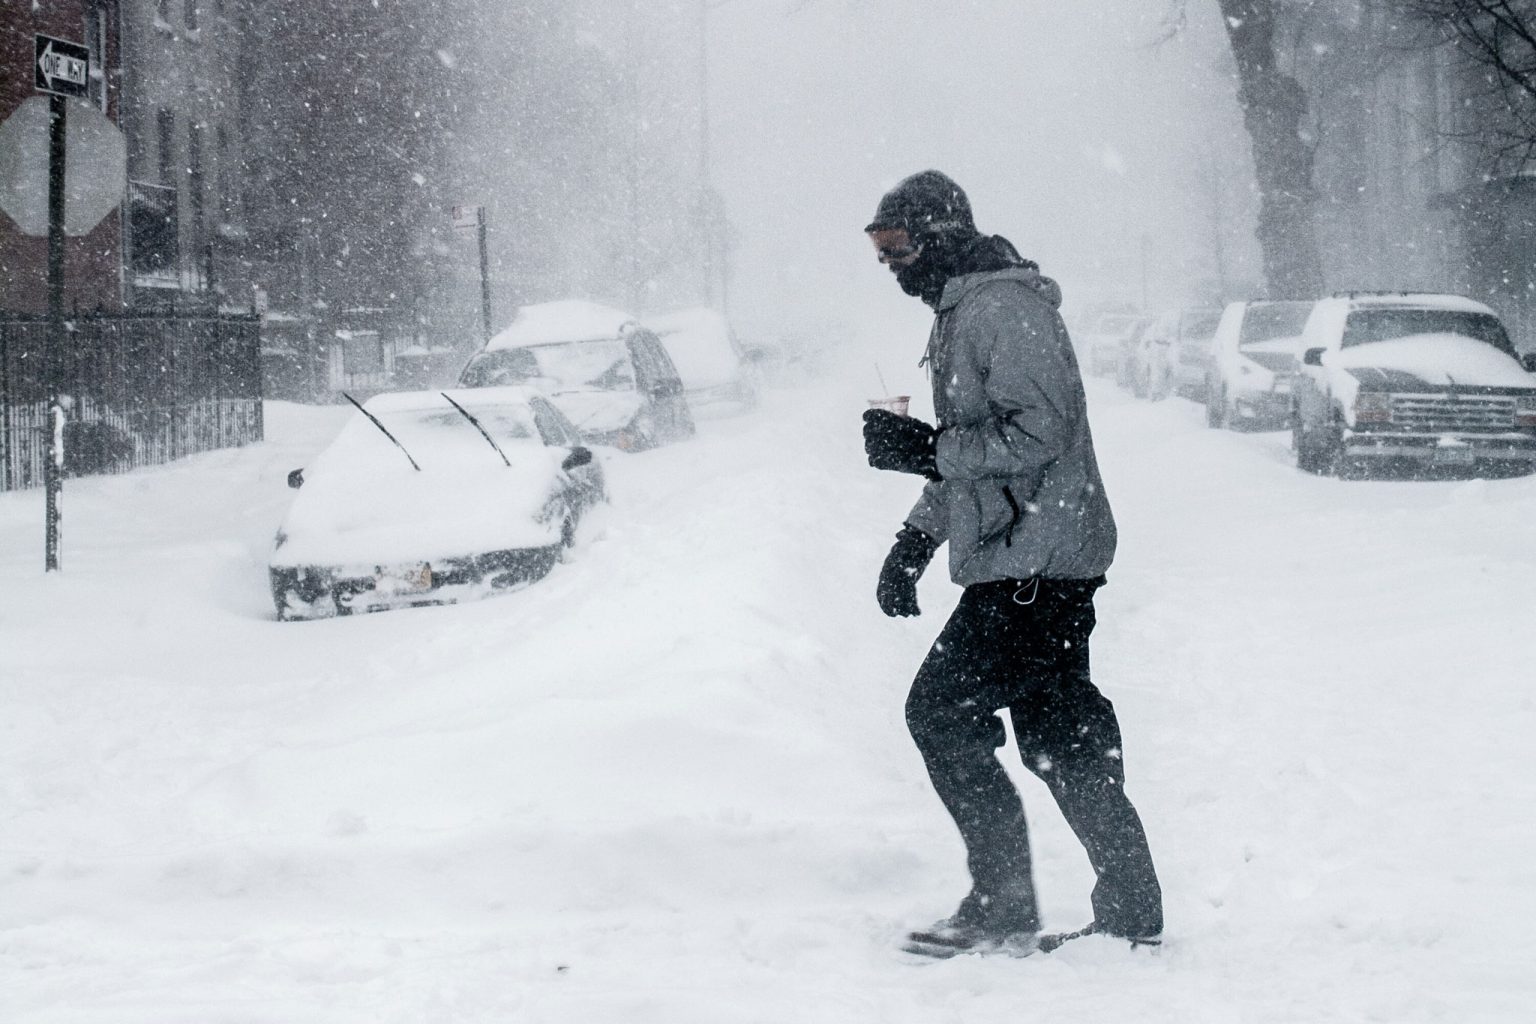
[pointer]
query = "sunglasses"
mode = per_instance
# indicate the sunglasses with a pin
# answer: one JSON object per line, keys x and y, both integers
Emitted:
{"x": 899, "y": 254}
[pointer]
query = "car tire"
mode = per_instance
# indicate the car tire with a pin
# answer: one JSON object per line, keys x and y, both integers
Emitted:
{"x": 1218, "y": 416}
{"x": 1320, "y": 450}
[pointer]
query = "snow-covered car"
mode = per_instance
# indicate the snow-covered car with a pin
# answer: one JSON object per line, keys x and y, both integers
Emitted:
{"x": 429, "y": 497}
{"x": 1146, "y": 367}
{"x": 1254, "y": 357}
{"x": 715, "y": 376}
{"x": 1190, "y": 335}
{"x": 1102, "y": 344}
{"x": 607, "y": 373}
{"x": 1130, "y": 343}
{"x": 1415, "y": 380}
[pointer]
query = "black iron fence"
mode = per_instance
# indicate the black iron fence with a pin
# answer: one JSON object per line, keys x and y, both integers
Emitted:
{"x": 137, "y": 391}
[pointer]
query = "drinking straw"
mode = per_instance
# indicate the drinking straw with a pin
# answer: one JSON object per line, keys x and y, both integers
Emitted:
{"x": 885, "y": 390}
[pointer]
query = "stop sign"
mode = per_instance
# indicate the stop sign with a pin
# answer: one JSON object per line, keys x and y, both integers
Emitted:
{"x": 95, "y": 171}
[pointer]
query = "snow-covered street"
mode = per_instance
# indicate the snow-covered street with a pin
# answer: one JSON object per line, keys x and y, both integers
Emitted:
{"x": 671, "y": 782}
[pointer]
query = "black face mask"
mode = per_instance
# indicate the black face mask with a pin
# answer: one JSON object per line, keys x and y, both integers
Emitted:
{"x": 924, "y": 278}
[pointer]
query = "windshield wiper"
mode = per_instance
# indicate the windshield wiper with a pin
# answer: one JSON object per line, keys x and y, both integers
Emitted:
{"x": 382, "y": 427}
{"x": 466, "y": 414}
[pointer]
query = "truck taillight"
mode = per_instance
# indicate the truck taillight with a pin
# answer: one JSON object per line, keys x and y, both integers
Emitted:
{"x": 1373, "y": 407}
{"x": 1525, "y": 411}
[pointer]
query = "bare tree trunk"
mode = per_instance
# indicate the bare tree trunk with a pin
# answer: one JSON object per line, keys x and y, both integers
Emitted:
{"x": 1273, "y": 104}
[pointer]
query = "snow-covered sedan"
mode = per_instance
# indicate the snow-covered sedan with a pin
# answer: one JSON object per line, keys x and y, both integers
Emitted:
{"x": 1411, "y": 380}
{"x": 1254, "y": 357}
{"x": 1103, "y": 343}
{"x": 607, "y": 373}
{"x": 429, "y": 497}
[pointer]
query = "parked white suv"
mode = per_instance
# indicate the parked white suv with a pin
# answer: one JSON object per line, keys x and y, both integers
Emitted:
{"x": 1254, "y": 357}
{"x": 1421, "y": 380}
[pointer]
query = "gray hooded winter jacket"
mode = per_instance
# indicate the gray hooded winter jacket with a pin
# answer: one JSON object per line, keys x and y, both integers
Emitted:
{"x": 1021, "y": 494}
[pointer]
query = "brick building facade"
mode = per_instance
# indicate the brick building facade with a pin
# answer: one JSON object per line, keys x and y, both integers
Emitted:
{"x": 93, "y": 266}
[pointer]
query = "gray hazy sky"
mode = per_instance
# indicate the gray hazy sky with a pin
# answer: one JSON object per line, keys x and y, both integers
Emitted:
{"x": 1073, "y": 135}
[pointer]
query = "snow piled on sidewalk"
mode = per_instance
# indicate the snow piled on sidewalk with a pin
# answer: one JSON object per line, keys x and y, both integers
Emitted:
{"x": 671, "y": 783}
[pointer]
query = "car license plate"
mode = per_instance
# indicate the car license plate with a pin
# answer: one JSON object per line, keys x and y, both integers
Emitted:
{"x": 404, "y": 579}
{"x": 1454, "y": 456}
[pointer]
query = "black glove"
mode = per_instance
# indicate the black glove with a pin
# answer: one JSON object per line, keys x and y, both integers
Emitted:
{"x": 900, "y": 443}
{"x": 910, "y": 555}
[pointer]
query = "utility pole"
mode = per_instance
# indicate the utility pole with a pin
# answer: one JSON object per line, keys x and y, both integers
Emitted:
{"x": 1146, "y": 246}
{"x": 632, "y": 69}
{"x": 706, "y": 218}
{"x": 485, "y": 275}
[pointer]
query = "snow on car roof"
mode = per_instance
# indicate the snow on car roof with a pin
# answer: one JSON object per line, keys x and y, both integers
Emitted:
{"x": 699, "y": 342}
{"x": 1416, "y": 300}
{"x": 547, "y": 323}
{"x": 695, "y": 320}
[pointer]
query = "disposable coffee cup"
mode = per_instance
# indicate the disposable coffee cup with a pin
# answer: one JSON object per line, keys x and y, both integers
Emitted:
{"x": 896, "y": 404}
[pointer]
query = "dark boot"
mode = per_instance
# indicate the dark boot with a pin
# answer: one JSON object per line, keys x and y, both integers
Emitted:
{"x": 981, "y": 924}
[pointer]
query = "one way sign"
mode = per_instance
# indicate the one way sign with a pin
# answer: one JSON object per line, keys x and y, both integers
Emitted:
{"x": 62, "y": 67}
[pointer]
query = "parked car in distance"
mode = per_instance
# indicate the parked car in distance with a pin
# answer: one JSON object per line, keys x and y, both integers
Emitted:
{"x": 454, "y": 502}
{"x": 1411, "y": 381}
{"x": 1146, "y": 368}
{"x": 1254, "y": 357}
{"x": 1189, "y": 335}
{"x": 1127, "y": 353}
{"x": 1102, "y": 342}
{"x": 716, "y": 378}
{"x": 608, "y": 374}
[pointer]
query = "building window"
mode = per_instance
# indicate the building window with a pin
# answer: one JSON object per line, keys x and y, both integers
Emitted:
{"x": 152, "y": 232}
{"x": 221, "y": 171}
{"x": 96, "y": 41}
{"x": 196, "y": 185}
{"x": 165, "y": 133}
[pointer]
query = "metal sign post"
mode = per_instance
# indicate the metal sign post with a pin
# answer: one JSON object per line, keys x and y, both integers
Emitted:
{"x": 466, "y": 217}
{"x": 61, "y": 70}
{"x": 53, "y": 471}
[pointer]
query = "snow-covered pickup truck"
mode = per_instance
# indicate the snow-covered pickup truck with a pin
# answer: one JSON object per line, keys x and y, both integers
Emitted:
{"x": 1411, "y": 381}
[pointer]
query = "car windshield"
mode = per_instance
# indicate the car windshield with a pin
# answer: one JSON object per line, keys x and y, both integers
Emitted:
{"x": 502, "y": 422}
{"x": 1115, "y": 324}
{"x": 1200, "y": 324}
{"x": 602, "y": 363}
{"x": 1364, "y": 326}
{"x": 1270, "y": 320}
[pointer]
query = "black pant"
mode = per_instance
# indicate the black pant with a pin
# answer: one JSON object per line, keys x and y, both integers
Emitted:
{"x": 1024, "y": 647}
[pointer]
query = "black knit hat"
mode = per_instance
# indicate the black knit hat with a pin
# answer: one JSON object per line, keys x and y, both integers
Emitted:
{"x": 927, "y": 205}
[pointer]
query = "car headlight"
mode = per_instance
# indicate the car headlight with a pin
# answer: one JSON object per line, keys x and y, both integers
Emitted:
{"x": 1373, "y": 407}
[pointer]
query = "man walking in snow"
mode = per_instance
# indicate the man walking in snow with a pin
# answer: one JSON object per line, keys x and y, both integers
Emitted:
{"x": 1013, "y": 487}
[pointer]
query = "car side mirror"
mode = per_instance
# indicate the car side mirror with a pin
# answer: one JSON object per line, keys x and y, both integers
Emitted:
{"x": 579, "y": 456}
{"x": 1313, "y": 356}
{"x": 296, "y": 478}
{"x": 1528, "y": 360}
